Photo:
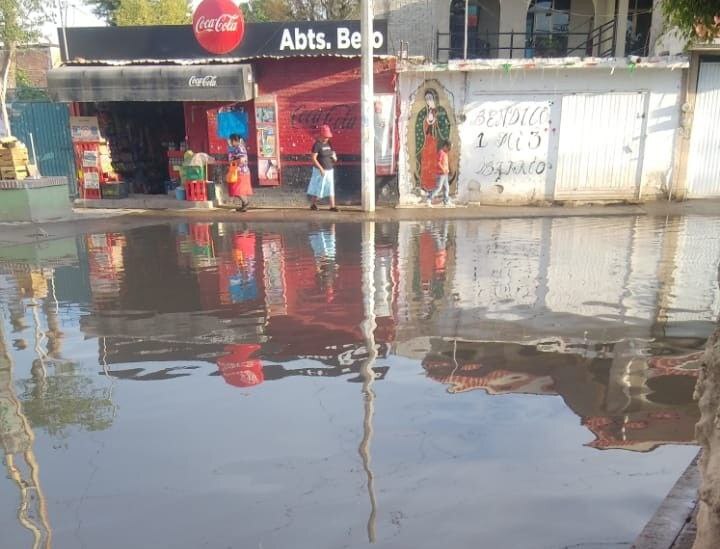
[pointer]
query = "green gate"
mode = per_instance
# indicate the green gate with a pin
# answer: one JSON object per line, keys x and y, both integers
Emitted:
{"x": 49, "y": 124}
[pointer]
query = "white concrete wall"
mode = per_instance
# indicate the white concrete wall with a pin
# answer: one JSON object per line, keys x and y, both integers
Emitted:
{"x": 513, "y": 18}
{"x": 525, "y": 162}
{"x": 582, "y": 19}
{"x": 529, "y": 279}
{"x": 416, "y": 22}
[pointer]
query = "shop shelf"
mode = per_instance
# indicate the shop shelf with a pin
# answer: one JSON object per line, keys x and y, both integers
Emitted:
{"x": 114, "y": 190}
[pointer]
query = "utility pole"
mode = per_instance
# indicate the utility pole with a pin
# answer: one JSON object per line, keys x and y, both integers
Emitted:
{"x": 367, "y": 186}
{"x": 465, "y": 34}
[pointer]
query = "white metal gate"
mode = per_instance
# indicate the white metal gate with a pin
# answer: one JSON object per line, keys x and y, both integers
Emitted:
{"x": 601, "y": 144}
{"x": 704, "y": 154}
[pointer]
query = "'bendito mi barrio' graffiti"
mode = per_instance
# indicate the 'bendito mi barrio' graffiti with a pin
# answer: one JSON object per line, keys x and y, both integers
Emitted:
{"x": 506, "y": 142}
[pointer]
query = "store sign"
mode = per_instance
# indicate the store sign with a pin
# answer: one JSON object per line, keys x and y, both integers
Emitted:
{"x": 209, "y": 81}
{"x": 345, "y": 39}
{"x": 84, "y": 128}
{"x": 218, "y": 26}
{"x": 218, "y": 30}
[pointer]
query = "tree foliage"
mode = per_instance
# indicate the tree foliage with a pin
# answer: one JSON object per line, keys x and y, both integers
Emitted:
{"x": 152, "y": 12}
{"x": 25, "y": 90}
{"x": 105, "y": 9}
{"x": 256, "y": 11}
{"x": 20, "y": 22}
{"x": 695, "y": 19}
{"x": 310, "y": 10}
{"x": 60, "y": 402}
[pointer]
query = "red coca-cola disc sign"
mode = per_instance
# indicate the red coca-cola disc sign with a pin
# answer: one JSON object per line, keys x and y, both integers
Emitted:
{"x": 218, "y": 25}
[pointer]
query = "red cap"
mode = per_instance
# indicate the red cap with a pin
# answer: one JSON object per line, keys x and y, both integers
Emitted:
{"x": 325, "y": 131}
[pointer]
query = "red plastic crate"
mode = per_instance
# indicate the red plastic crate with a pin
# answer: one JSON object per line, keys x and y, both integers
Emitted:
{"x": 200, "y": 233}
{"x": 196, "y": 191}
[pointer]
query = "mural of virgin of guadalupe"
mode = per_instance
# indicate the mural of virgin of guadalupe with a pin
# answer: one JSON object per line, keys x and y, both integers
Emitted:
{"x": 432, "y": 126}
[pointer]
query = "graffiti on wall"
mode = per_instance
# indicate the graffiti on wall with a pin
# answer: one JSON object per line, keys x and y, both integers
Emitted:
{"x": 506, "y": 143}
{"x": 432, "y": 121}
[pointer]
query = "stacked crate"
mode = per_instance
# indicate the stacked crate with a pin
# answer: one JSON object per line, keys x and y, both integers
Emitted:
{"x": 14, "y": 160}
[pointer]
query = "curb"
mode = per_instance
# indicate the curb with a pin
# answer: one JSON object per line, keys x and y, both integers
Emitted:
{"x": 673, "y": 526}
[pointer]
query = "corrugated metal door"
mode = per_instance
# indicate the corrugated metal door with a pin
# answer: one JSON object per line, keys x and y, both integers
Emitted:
{"x": 49, "y": 125}
{"x": 600, "y": 146}
{"x": 704, "y": 154}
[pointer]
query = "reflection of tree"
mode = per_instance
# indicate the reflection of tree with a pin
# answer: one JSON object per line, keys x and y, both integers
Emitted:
{"x": 16, "y": 443}
{"x": 66, "y": 399}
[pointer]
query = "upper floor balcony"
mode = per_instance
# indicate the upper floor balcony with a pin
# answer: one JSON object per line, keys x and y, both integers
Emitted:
{"x": 490, "y": 29}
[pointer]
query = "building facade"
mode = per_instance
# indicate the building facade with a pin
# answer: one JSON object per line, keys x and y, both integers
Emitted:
{"x": 437, "y": 29}
{"x": 541, "y": 131}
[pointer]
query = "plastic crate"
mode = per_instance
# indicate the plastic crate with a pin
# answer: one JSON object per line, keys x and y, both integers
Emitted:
{"x": 196, "y": 191}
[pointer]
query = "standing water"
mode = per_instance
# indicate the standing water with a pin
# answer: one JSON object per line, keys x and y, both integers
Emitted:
{"x": 496, "y": 383}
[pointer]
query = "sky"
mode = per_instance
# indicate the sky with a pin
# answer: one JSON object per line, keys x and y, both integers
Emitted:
{"x": 79, "y": 15}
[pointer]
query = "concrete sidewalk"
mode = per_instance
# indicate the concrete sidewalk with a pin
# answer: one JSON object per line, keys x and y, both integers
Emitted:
{"x": 163, "y": 206}
{"x": 118, "y": 219}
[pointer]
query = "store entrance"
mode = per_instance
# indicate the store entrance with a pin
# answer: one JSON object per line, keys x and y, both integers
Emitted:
{"x": 139, "y": 136}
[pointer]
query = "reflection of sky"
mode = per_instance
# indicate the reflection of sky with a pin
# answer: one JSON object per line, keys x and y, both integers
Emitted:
{"x": 193, "y": 459}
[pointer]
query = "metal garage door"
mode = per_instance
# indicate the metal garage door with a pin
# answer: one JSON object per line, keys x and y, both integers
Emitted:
{"x": 704, "y": 154}
{"x": 601, "y": 142}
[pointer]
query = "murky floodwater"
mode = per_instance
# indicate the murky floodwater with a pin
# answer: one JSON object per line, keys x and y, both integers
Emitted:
{"x": 496, "y": 383}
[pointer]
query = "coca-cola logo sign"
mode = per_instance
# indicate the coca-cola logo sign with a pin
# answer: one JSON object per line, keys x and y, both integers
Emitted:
{"x": 338, "y": 117}
{"x": 202, "y": 81}
{"x": 218, "y": 25}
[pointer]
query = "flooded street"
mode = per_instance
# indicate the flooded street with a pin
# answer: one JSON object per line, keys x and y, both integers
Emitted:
{"x": 511, "y": 383}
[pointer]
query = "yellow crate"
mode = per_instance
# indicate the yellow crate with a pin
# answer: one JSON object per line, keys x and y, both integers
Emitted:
{"x": 6, "y": 155}
{"x": 14, "y": 173}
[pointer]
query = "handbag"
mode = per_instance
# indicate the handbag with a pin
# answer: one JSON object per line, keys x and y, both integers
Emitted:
{"x": 232, "y": 173}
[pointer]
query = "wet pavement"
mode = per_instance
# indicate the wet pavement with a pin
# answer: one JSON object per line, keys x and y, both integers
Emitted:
{"x": 514, "y": 383}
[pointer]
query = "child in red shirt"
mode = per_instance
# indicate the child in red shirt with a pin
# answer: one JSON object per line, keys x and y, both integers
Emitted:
{"x": 443, "y": 175}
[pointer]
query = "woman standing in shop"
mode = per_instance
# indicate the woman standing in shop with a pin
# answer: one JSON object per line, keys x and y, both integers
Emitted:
{"x": 322, "y": 181}
{"x": 238, "y": 176}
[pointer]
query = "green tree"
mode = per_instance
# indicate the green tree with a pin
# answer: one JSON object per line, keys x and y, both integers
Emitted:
{"x": 105, "y": 9}
{"x": 257, "y": 10}
{"x": 20, "y": 22}
{"x": 25, "y": 90}
{"x": 152, "y": 12}
{"x": 695, "y": 19}
{"x": 308, "y": 10}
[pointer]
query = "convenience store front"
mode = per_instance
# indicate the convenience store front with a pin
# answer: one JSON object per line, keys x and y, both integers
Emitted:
{"x": 159, "y": 91}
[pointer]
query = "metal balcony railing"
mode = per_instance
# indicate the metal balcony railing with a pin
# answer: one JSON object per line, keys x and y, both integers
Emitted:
{"x": 597, "y": 42}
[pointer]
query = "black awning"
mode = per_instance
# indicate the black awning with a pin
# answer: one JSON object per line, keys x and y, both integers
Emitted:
{"x": 152, "y": 83}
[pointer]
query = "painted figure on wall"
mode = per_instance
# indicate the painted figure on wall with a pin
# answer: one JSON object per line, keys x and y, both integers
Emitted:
{"x": 432, "y": 127}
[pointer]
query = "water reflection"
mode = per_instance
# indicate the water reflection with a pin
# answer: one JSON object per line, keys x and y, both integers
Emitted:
{"x": 598, "y": 312}
{"x": 510, "y": 306}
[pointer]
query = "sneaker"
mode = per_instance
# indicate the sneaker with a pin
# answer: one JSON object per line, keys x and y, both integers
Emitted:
{"x": 313, "y": 207}
{"x": 428, "y": 201}
{"x": 449, "y": 204}
{"x": 334, "y": 209}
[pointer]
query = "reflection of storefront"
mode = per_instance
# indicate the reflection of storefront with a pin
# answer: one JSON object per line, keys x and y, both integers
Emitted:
{"x": 105, "y": 263}
{"x": 156, "y": 92}
{"x": 659, "y": 410}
